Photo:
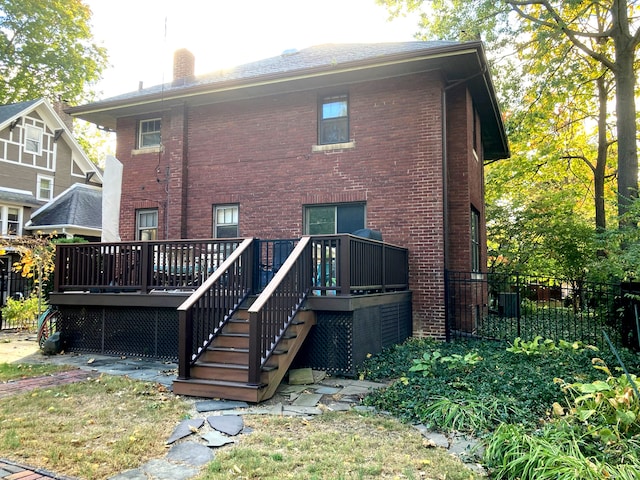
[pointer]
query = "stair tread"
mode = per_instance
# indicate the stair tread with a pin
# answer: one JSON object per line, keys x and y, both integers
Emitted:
{"x": 220, "y": 383}
{"x": 237, "y": 366}
{"x": 228, "y": 349}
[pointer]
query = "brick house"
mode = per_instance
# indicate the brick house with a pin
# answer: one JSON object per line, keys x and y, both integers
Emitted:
{"x": 331, "y": 139}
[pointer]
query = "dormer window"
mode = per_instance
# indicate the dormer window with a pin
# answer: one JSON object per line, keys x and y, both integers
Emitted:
{"x": 33, "y": 140}
{"x": 149, "y": 133}
{"x": 333, "y": 119}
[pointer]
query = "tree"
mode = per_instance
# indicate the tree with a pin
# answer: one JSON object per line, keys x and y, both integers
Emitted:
{"x": 606, "y": 32}
{"x": 47, "y": 50}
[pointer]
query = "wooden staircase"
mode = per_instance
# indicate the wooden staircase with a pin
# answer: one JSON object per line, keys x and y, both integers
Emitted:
{"x": 222, "y": 370}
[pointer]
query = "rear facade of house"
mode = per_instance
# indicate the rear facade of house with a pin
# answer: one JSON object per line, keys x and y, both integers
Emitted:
{"x": 333, "y": 139}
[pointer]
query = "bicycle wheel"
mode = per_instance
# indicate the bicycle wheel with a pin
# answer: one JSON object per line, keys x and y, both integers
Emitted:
{"x": 48, "y": 327}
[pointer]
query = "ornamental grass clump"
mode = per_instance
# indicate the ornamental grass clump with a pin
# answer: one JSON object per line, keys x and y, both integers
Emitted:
{"x": 595, "y": 435}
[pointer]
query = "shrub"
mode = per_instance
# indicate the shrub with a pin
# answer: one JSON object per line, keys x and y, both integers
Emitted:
{"x": 21, "y": 313}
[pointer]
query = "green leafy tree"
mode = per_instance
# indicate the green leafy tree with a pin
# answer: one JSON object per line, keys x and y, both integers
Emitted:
{"x": 47, "y": 50}
{"x": 548, "y": 39}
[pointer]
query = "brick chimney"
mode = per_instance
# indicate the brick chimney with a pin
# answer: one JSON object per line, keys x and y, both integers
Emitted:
{"x": 183, "y": 67}
{"x": 59, "y": 106}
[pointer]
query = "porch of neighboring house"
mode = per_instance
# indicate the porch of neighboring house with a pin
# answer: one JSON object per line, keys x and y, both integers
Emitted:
{"x": 235, "y": 313}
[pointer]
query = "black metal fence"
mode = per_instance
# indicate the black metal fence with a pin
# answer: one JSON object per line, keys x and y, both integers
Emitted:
{"x": 13, "y": 285}
{"x": 505, "y": 306}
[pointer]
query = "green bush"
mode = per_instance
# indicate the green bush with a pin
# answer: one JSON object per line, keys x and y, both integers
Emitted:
{"x": 545, "y": 410}
{"x": 22, "y": 313}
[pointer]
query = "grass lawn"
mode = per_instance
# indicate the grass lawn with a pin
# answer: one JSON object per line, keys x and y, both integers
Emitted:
{"x": 10, "y": 371}
{"x": 97, "y": 428}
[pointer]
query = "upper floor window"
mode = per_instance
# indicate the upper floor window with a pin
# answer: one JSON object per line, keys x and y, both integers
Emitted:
{"x": 149, "y": 133}
{"x": 32, "y": 139}
{"x": 147, "y": 224}
{"x": 225, "y": 221}
{"x": 333, "y": 119}
{"x": 475, "y": 240}
{"x": 45, "y": 188}
{"x": 332, "y": 219}
{"x": 10, "y": 220}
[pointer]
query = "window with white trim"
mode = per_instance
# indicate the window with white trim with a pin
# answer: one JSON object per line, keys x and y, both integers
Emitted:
{"x": 147, "y": 224}
{"x": 332, "y": 219}
{"x": 333, "y": 119}
{"x": 10, "y": 220}
{"x": 149, "y": 133}
{"x": 45, "y": 188}
{"x": 32, "y": 139}
{"x": 225, "y": 221}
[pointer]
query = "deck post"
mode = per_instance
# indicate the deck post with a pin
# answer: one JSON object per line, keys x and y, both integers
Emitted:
{"x": 345, "y": 264}
{"x": 146, "y": 266}
{"x": 255, "y": 340}
{"x": 185, "y": 341}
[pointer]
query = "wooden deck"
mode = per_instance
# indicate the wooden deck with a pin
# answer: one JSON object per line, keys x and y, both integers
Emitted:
{"x": 278, "y": 285}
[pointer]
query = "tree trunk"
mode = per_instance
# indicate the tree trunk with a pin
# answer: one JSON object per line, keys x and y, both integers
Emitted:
{"x": 625, "y": 113}
{"x": 601, "y": 161}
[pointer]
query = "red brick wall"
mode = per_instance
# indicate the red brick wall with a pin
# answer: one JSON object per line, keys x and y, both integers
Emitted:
{"x": 258, "y": 153}
{"x": 466, "y": 189}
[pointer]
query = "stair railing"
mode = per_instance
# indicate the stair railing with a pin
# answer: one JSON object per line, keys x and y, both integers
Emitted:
{"x": 274, "y": 310}
{"x": 203, "y": 315}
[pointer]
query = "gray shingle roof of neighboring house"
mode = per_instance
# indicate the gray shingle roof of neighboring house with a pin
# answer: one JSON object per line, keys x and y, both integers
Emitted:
{"x": 19, "y": 197}
{"x": 78, "y": 206}
{"x": 13, "y": 109}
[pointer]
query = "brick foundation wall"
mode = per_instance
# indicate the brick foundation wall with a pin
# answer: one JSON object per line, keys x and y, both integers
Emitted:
{"x": 258, "y": 153}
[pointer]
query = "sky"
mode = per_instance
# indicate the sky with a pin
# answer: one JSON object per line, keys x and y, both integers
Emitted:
{"x": 141, "y": 35}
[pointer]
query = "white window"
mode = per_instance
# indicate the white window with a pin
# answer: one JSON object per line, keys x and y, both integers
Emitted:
{"x": 147, "y": 224}
{"x": 45, "y": 188}
{"x": 10, "y": 220}
{"x": 33, "y": 139}
{"x": 225, "y": 221}
{"x": 149, "y": 133}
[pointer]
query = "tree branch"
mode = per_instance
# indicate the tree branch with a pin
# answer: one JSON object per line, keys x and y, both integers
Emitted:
{"x": 571, "y": 34}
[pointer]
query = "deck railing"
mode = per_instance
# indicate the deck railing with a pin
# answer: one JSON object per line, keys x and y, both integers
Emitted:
{"x": 273, "y": 311}
{"x": 347, "y": 265}
{"x": 210, "y": 307}
{"x": 138, "y": 266}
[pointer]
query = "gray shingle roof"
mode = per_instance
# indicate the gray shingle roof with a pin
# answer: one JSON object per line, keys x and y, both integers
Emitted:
{"x": 80, "y": 206}
{"x": 19, "y": 198}
{"x": 13, "y": 109}
{"x": 288, "y": 63}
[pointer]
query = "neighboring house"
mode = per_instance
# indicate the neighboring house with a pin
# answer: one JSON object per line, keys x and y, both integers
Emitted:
{"x": 39, "y": 160}
{"x": 76, "y": 212}
{"x": 331, "y": 139}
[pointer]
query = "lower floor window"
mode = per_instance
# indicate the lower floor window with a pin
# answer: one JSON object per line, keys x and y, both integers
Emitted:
{"x": 147, "y": 224}
{"x": 475, "y": 240}
{"x": 225, "y": 221}
{"x": 332, "y": 219}
{"x": 10, "y": 220}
